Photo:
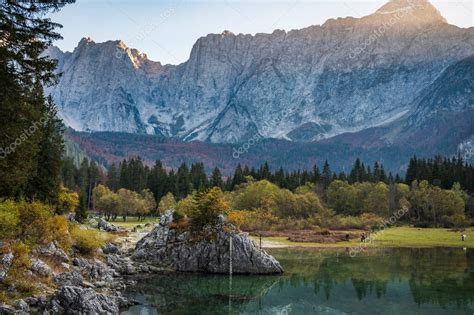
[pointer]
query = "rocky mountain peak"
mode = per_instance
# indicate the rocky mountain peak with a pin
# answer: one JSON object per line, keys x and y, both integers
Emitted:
{"x": 347, "y": 75}
{"x": 410, "y": 11}
{"x": 85, "y": 41}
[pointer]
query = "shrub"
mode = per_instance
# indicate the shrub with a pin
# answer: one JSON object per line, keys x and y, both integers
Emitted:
{"x": 25, "y": 285}
{"x": 58, "y": 230}
{"x": 258, "y": 220}
{"x": 67, "y": 201}
{"x": 21, "y": 260}
{"x": 87, "y": 242}
{"x": 9, "y": 219}
{"x": 209, "y": 205}
{"x": 178, "y": 216}
{"x": 32, "y": 221}
{"x": 364, "y": 222}
{"x": 181, "y": 224}
{"x": 237, "y": 218}
{"x": 456, "y": 221}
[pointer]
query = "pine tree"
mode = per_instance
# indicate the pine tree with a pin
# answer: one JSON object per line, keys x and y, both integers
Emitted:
{"x": 264, "y": 172}
{"x": 68, "y": 174}
{"x": 216, "y": 178}
{"x": 124, "y": 179}
{"x": 157, "y": 181}
{"x": 238, "y": 177}
{"x": 113, "y": 178}
{"x": 327, "y": 175}
{"x": 183, "y": 182}
{"x": 81, "y": 212}
{"x": 316, "y": 174}
{"x": 45, "y": 183}
{"x": 198, "y": 176}
{"x": 26, "y": 31}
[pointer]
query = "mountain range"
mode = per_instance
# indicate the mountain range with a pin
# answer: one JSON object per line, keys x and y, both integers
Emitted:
{"x": 399, "y": 79}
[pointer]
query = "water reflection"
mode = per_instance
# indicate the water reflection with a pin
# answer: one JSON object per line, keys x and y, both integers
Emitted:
{"x": 397, "y": 281}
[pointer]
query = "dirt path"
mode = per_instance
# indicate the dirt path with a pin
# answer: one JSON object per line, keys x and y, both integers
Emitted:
{"x": 268, "y": 243}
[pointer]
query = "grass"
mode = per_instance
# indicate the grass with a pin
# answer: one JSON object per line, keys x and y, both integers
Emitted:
{"x": 416, "y": 237}
{"x": 133, "y": 221}
{"x": 393, "y": 237}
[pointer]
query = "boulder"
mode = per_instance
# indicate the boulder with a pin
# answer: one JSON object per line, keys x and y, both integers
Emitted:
{"x": 53, "y": 250}
{"x": 37, "y": 302}
{"x": 94, "y": 269}
{"x": 5, "y": 264}
{"x": 207, "y": 252}
{"x": 93, "y": 222}
{"x": 72, "y": 278}
{"x": 76, "y": 300}
{"x": 106, "y": 226}
{"x": 7, "y": 309}
{"x": 22, "y": 307}
{"x": 40, "y": 267}
{"x": 123, "y": 265}
{"x": 72, "y": 218}
{"x": 110, "y": 248}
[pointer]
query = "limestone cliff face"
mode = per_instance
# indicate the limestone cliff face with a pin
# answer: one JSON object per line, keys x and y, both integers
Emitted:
{"x": 346, "y": 75}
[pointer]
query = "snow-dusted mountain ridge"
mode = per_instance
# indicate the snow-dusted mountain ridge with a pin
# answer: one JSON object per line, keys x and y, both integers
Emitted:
{"x": 346, "y": 75}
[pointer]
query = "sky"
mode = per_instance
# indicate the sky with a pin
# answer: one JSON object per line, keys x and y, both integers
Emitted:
{"x": 167, "y": 29}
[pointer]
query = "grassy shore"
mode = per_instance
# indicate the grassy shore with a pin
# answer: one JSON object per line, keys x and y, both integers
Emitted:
{"x": 393, "y": 237}
{"x": 133, "y": 222}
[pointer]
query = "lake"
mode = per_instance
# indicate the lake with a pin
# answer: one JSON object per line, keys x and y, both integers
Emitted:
{"x": 390, "y": 281}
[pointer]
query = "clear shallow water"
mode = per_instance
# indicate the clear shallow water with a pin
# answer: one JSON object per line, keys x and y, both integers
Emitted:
{"x": 396, "y": 281}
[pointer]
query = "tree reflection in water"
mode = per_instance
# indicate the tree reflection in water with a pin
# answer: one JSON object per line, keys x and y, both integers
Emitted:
{"x": 392, "y": 281}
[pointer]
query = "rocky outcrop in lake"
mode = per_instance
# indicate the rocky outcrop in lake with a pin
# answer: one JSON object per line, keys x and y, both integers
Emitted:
{"x": 208, "y": 251}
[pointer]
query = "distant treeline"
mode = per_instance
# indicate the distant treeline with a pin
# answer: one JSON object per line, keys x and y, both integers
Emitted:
{"x": 442, "y": 172}
{"x": 134, "y": 175}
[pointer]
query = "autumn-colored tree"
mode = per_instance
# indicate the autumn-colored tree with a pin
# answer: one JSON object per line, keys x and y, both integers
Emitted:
{"x": 67, "y": 201}
{"x": 208, "y": 206}
{"x": 166, "y": 203}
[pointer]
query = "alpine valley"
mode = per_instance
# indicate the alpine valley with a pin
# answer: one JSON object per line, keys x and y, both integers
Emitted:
{"x": 371, "y": 87}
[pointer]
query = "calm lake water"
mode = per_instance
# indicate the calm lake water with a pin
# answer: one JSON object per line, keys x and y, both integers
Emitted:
{"x": 396, "y": 281}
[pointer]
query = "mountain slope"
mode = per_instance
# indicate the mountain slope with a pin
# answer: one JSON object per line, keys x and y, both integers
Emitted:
{"x": 346, "y": 75}
{"x": 441, "y": 119}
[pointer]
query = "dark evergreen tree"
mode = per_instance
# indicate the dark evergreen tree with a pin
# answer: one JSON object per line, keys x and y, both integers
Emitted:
{"x": 158, "y": 181}
{"x": 124, "y": 179}
{"x": 45, "y": 183}
{"x": 183, "y": 182}
{"x": 113, "y": 177}
{"x": 316, "y": 174}
{"x": 327, "y": 175}
{"x": 238, "y": 177}
{"x": 216, "y": 179}
{"x": 81, "y": 212}
{"x": 264, "y": 172}
{"x": 68, "y": 173}
{"x": 198, "y": 177}
{"x": 25, "y": 32}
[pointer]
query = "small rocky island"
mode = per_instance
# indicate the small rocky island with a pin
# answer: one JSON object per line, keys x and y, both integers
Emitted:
{"x": 168, "y": 246}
